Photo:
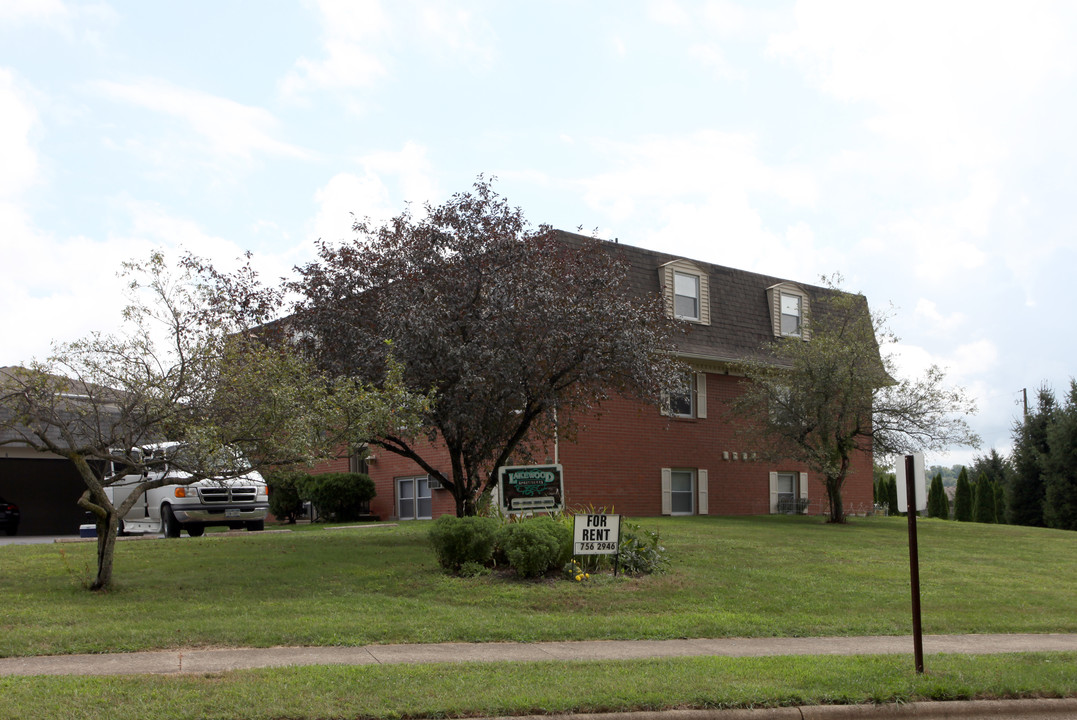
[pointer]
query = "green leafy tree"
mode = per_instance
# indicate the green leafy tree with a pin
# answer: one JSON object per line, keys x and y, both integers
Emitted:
{"x": 1060, "y": 492}
{"x": 963, "y": 497}
{"x": 510, "y": 325}
{"x": 820, "y": 399}
{"x": 187, "y": 367}
{"x": 1027, "y": 488}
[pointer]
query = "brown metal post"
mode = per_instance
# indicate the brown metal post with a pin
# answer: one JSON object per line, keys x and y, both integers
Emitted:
{"x": 914, "y": 565}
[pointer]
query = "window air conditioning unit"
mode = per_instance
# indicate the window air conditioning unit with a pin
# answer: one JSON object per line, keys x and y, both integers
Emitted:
{"x": 434, "y": 484}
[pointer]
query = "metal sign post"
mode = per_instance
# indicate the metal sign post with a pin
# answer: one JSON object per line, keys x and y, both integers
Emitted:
{"x": 914, "y": 567}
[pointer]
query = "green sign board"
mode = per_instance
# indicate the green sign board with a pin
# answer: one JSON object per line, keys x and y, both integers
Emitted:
{"x": 524, "y": 488}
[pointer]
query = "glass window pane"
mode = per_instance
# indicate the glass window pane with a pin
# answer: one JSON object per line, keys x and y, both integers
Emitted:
{"x": 680, "y": 481}
{"x": 686, "y": 285}
{"x": 785, "y": 482}
{"x": 685, "y": 307}
{"x": 686, "y": 296}
{"x": 790, "y": 315}
{"x": 681, "y": 503}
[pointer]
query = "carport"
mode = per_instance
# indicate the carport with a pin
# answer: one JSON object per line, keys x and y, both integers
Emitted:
{"x": 45, "y": 487}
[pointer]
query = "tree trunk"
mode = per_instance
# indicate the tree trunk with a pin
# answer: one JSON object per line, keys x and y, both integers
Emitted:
{"x": 833, "y": 496}
{"x": 107, "y": 530}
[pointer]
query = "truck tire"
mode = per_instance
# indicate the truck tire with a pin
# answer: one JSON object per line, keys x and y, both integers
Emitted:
{"x": 195, "y": 530}
{"x": 256, "y": 525}
{"x": 169, "y": 524}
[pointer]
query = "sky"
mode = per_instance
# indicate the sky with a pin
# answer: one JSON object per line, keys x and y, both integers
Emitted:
{"x": 923, "y": 150}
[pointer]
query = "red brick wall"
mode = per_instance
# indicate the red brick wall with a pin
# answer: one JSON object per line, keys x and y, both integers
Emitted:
{"x": 617, "y": 459}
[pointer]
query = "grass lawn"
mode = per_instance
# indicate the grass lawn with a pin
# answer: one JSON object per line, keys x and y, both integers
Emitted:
{"x": 759, "y": 576}
{"x": 729, "y": 577}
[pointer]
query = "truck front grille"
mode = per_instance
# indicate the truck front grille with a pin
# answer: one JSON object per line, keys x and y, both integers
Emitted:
{"x": 223, "y": 494}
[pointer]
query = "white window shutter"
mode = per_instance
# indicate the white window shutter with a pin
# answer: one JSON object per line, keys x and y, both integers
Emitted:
{"x": 704, "y": 503}
{"x": 667, "y": 491}
{"x": 773, "y": 492}
{"x": 804, "y": 487}
{"x": 701, "y": 395}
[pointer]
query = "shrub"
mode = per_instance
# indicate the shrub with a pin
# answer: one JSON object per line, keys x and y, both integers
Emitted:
{"x": 640, "y": 551}
{"x": 284, "y": 500}
{"x": 463, "y": 543}
{"x": 338, "y": 496}
{"x": 534, "y": 545}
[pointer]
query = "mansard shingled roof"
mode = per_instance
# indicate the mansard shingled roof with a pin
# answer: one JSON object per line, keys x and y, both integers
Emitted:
{"x": 740, "y": 321}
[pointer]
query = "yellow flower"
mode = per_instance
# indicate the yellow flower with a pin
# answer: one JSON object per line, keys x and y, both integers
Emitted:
{"x": 579, "y": 577}
{"x": 587, "y": 575}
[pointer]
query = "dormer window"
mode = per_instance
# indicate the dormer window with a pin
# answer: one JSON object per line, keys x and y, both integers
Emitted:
{"x": 685, "y": 296}
{"x": 790, "y": 311}
{"x": 686, "y": 291}
{"x": 791, "y": 314}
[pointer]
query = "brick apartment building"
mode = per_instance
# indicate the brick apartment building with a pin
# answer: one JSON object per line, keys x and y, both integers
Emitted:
{"x": 682, "y": 459}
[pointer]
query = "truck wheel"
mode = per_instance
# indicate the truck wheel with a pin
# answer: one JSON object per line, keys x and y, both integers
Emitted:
{"x": 256, "y": 525}
{"x": 195, "y": 530}
{"x": 169, "y": 524}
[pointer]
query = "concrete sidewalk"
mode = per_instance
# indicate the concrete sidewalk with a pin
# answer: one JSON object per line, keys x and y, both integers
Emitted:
{"x": 220, "y": 660}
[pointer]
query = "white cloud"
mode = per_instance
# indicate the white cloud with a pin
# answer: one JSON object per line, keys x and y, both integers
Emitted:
{"x": 33, "y": 11}
{"x": 459, "y": 32}
{"x": 351, "y": 28}
{"x": 710, "y": 55}
{"x": 945, "y": 79}
{"x": 702, "y": 194}
{"x": 18, "y": 120}
{"x": 927, "y": 311}
{"x": 231, "y": 128}
{"x": 726, "y": 17}
{"x": 667, "y": 12}
{"x": 349, "y": 197}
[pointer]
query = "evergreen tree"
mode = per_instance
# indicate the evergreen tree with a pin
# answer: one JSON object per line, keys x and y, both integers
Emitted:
{"x": 1000, "y": 502}
{"x": 983, "y": 509}
{"x": 891, "y": 494}
{"x": 938, "y": 506}
{"x": 1060, "y": 506}
{"x": 1027, "y": 489}
{"x": 963, "y": 498}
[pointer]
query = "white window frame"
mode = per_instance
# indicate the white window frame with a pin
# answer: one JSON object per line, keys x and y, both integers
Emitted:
{"x": 417, "y": 482}
{"x": 697, "y": 298}
{"x": 799, "y": 314}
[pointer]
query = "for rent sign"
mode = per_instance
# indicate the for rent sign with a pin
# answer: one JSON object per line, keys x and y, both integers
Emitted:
{"x": 595, "y": 534}
{"x": 531, "y": 487}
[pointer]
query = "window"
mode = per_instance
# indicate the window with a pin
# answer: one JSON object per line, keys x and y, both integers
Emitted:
{"x": 689, "y": 398}
{"x": 682, "y": 398}
{"x": 682, "y": 492}
{"x": 413, "y": 498}
{"x": 791, "y": 315}
{"x": 357, "y": 461}
{"x": 686, "y": 291}
{"x": 685, "y": 296}
{"x": 790, "y": 310}
{"x": 788, "y": 493}
{"x": 787, "y": 486}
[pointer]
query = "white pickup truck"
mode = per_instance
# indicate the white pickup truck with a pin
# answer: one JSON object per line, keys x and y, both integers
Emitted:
{"x": 241, "y": 502}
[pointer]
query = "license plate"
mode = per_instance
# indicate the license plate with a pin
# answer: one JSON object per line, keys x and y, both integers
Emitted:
{"x": 231, "y": 512}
